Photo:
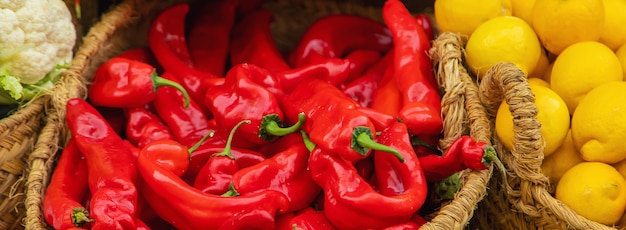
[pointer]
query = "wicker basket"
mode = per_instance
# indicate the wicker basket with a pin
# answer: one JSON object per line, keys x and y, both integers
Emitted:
{"x": 125, "y": 27}
{"x": 18, "y": 134}
{"x": 521, "y": 198}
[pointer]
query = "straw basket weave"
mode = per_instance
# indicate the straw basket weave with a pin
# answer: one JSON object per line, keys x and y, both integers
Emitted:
{"x": 521, "y": 198}
{"x": 125, "y": 27}
{"x": 18, "y": 134}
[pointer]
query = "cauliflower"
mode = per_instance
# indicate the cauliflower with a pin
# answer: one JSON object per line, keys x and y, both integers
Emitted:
{"x": 36, "y": 39}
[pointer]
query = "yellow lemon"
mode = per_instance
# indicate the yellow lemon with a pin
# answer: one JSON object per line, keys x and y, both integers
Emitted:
{"x": 551, "y": 113}
{"x": 594, "y": 190}
{"x": 523, "y": 9}
{"x": 462, "y": 16}
{"x": 542, "y": 65}
{"x": 561, "y": 160}
{"x": 580, "y": 68}
{"x": 621, "y": 55}
{"x": 613, "y": 33}
{"x": 538, "y": 81}
{"x": 560, "y": 24}
{"x": 599, "y": 124}
{"x": 502, "y": 39}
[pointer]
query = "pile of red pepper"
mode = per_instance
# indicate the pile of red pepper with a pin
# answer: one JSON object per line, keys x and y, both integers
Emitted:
{"x": 213, "y": 127}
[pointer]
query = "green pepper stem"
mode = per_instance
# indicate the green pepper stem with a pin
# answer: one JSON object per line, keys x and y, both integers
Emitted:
{"x": 366, "y": 141}
{"x": 80, "y": 216}
{"x": 226, "y": 152}
{"x": 307, "y": 141}
{"x": 159, "y": 81}
{"x": 489, "y": 155}
{"x": 199, "y": 143}
{"x": 231, "y": 191}
{"x": 274, "y": 129}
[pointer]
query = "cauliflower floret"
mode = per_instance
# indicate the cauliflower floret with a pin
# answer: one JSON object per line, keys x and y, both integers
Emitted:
{"x": 37, "y": 35}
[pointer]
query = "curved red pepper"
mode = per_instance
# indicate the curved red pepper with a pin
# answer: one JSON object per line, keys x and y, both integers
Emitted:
{"x": 424, "y": 21}
{"x": 239, "y": 98}
{"x": 187, "y": 124}
{"x": 360, "y": 60}
{"x": 305, "y": 219}
{"x": 387, "y": 97}
{"x": 326, "y": 38}
{"x": 364, "y": 88}
{"x": 161, "y": 165}
{"x": 348, "y": 197}
{"x": 166, "y": 38}
{"x": 110, "y": 164}
{"x": 200, "y": 157}
{"x": 144, "y": 126}
{"x": 142, "y": 54}
{"x": 127, "y": 83}
{"x": 333, "y": 120}
{"x": 333, "y": 70}
{"x": 215, "y": 175}
{"x": 209, "y": 35}
{"x": 252, "y": 42}
{"x": 463, "y": 153}
{"x": 285, "y": 172}
{"x": 68, "y": 185}
{"x": 413, "y": 71}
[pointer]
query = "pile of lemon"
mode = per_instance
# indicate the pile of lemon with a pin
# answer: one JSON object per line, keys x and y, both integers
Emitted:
{"x": 574, "y": 54}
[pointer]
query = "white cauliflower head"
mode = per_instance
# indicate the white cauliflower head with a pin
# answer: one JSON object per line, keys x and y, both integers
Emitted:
{"x": 35, "y": 36}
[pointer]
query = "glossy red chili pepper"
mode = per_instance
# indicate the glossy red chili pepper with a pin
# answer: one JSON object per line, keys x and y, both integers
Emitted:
{"x": 209, "y": 35}
{"x": 349, "y": 197}
{"x": 394, "y": 178}
{"x": 161, "y": 165}
{"x": 252, "y": 42}
{"x": 166, "y": 38}
{"x": 112, "y": 175}
{"x": 286, "y": 172}
{"x": 215, "y": 175}
{"x": 333, "y": 70}
{"x": 421, "y": 109}
{"x": 326, "y": 38}
{"x": 463, "y": 153}
{"x": 145, "y": 126}
{"x": 387, "y": 97}
{"x": 333, "y": 120}
{"x": 360, "y": 60}
{"x": 187, "y": 124}
{"x": 239, "y": 98}
{"x": 126, "y": 83}
{"x": 305, "y": 219}
{"x": 142, "y": 54}
{"x": 363, "y": 89}
{"x": 424, "y": 21}
{"x": 379, "y": 119}
{"x": 281, "y": 144}
{"x": 68, "y": 185}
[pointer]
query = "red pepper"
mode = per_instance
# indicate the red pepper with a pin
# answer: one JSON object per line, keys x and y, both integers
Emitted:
{"x": 239, "y": 98}
{"x": 142, "y": 54}
{"x": 421, "y": 109}
{"x": 379, "y": 119}
{"x": 305, "y": 219}
{"x": 281, "y": 144}
{"x": 360, "y": 60}
{"x": 215, "y": 175}
{"x": 463, "y": 153}
{"x": 126, "y": 83}
{"x": 333, "y": 120}
{"x": 187, "y": 124}
{"x": 424, "y": 21}
{"x": 333, "y": 70}
{"x": 348, "y": 197}
{"x": 68, "y": 185}
{"x": 285, "y": 172}
{"x": 387, "y": 97}
{"x": 326, "y": 38}
{"x": 112, "y": 175}
{"x": 252, "y": 42}
{"x": 144, "y": 126}
{"x": 209, "y": 35}
{"x": 363, "y": 89}
{"x": 166, "y": 38}
{"x": 162, "y": 163}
